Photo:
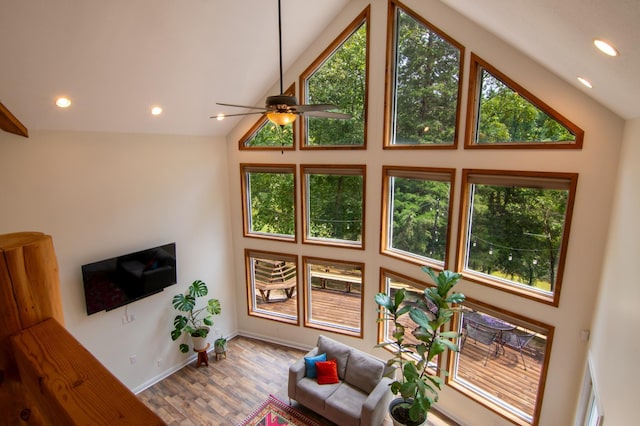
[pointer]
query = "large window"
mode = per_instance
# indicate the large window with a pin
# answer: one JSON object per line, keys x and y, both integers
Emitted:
{"x": 333, "y": 295}
{"x": 502, "y": 362}
{"x": 272, "y": 285}
{"x": 502, "y": 114}
{"x": 423, "y": 87}
{"x": 339, "y": 77}
{"x": 390, "y": 283}
{"x": 268, "y": 201}
{"x": 333, "y": 205}
{"x": 416, "y": 213}
{"x": 515, "y": 230}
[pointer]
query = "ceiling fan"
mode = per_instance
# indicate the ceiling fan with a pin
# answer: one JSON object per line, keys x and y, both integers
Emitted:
{"x": 284, "y": 109}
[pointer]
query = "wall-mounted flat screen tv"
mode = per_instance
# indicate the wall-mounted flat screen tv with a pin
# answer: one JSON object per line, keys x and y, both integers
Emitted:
{"x": 115, "y": 282}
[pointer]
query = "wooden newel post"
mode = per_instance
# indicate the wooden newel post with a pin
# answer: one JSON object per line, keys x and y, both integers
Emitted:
{"x": 29, "y": 294}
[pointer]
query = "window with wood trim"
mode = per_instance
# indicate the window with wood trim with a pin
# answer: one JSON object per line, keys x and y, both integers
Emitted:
{"x": 424, "y": 83}
{"x": 333, "y": 298}
{"x": 390, "y": 283}
{"x": 333, "y": 204}
{"x": 416, "y": 212}
{"x": 502, "y": 362}
{"x": 339, "y": 77}
{"x": 272, "y": 285}
{"x": 265, "y": 135}
{"x": 514, "y": 230}
{"x": 503, "y": 114}
{"x": 269, "y": 200}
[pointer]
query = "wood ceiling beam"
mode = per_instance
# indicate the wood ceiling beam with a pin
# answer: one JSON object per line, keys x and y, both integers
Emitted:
{"x": 9, "y": 123}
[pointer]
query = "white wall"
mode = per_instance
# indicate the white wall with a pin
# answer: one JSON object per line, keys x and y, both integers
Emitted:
{"x": 615, "y": 341}
{"x": 101, "y": 195}
{"x": 596, "y": 165}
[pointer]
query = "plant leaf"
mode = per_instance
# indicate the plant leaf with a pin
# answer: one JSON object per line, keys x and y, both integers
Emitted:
{"x": 198, "y": 288}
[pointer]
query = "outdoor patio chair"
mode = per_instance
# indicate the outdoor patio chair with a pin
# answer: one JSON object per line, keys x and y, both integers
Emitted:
{"x": 485, "y": 335}
{"x": 518, "y": 340}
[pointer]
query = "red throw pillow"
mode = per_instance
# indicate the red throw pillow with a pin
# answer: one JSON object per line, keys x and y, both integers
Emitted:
{"x": 327, "y": 372}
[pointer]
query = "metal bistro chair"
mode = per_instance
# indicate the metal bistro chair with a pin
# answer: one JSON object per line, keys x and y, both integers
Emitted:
{"x": 517, "y": 339}
{"x": 485, "y": 335}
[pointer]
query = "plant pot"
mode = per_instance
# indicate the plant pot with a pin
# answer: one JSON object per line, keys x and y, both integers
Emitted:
{"x": 220, "y": 348}
{"x": 399, "y": 412}
{"x": 199, "y": 342}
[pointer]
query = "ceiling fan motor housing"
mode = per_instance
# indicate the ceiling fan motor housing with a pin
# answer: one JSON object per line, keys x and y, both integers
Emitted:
{"x": 281, "y": 102}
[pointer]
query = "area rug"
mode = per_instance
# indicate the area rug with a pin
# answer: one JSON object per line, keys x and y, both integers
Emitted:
{"x": 274, "y": 412}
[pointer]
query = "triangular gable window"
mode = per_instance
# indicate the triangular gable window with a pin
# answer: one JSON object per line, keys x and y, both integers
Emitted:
{"x": 505, "y": 115}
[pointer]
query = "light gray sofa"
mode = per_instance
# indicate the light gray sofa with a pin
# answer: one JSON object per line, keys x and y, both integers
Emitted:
{"x": 362, "y": 396}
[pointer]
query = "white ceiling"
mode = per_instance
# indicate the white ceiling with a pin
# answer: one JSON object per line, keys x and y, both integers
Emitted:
{"x": 117, "y": 58}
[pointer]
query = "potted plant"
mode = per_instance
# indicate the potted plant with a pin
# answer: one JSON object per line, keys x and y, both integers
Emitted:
{"x": 190, "y": 322}
{"x": 220, "y": 345}
{"x": 417, "y": 387}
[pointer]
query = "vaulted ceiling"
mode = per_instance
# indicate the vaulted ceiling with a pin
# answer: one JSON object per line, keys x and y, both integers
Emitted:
{"x": 116, "y": 59}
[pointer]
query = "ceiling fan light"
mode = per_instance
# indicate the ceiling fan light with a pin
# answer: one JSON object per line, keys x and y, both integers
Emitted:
{"x": 281, "y": 118}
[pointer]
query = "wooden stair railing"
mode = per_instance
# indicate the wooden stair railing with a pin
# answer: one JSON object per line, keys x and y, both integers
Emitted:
{"x": 46, "y": 376}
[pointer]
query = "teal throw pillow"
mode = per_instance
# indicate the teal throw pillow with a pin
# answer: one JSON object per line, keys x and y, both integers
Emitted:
{"x": 310, "y": 364}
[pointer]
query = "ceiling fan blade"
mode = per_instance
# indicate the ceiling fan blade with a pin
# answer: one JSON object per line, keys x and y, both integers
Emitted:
{"x": 315, "y": 107}
{"x": 236, "y": 115}
{"x": 328, "y": 114}
{"x": 242, "y": 106}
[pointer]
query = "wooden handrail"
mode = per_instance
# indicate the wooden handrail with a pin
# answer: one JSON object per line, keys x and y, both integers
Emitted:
{"x": 70, "y": 385}
{"x": 46, "y": 376}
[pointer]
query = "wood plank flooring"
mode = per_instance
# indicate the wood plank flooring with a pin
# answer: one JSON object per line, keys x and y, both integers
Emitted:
{"x": 228, "y": 390}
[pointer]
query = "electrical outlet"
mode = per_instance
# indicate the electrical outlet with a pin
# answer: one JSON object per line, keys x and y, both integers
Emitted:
{"x": 132, "y": 359}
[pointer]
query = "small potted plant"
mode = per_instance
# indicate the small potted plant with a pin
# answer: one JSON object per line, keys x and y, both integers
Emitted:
{"x": 190, "y": 322}
{"x": 220, "y": 345}
{"x": 417, "y": 387}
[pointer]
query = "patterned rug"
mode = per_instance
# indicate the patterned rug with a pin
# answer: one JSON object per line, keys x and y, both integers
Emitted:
{"x": 274, "y": 412}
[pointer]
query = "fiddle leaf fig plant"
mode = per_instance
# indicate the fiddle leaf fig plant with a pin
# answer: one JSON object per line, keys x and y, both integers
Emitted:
{"x": 190, "y": 319}
{"x": 417, "y": 386}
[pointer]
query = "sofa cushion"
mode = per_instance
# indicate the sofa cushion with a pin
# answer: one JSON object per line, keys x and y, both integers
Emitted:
{"x": 312, "y": 395}
{"x": 344, "y": 406}
{"x": 310, "y": 364}
{"x": 335, "y": 350}
{"x": 327, "y": 372}
{"x": 363, "y": 371}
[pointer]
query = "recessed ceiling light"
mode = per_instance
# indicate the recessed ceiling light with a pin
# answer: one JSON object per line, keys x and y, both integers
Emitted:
{"x": 63, "y": 102}
{"x": 220, "y": 117}
{"x": 605, "y": 47}
{"x": 585, "y": 82}
{"x": 156, "y": 110}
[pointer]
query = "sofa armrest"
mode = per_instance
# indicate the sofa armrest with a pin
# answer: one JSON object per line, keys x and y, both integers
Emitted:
{"x": 376, "y": 405}
{"x": 297, "y": 371}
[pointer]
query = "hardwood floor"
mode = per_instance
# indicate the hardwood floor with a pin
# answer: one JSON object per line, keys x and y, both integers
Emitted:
{"x": 228, "y": 390}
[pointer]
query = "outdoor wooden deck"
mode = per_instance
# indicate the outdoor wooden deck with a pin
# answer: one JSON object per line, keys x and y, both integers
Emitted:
{"x": 504, "y": 376}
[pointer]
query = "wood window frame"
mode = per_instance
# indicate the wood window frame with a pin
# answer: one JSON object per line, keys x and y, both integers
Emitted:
{"x": 246, "y": 210}
{"x": 516, "y": 178}
{"x": 362, "y": 19}
{"x": 441, "y": 174}
{"x": 418, "y": 284}
{"x": 473, "y": 111}
{"x": 518, "y": 320}
{"x": 307, "y": 300}
{"x": 252, "y": 293}
{"x": 389, "y": 110}
{"x": 346, "y": 170}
